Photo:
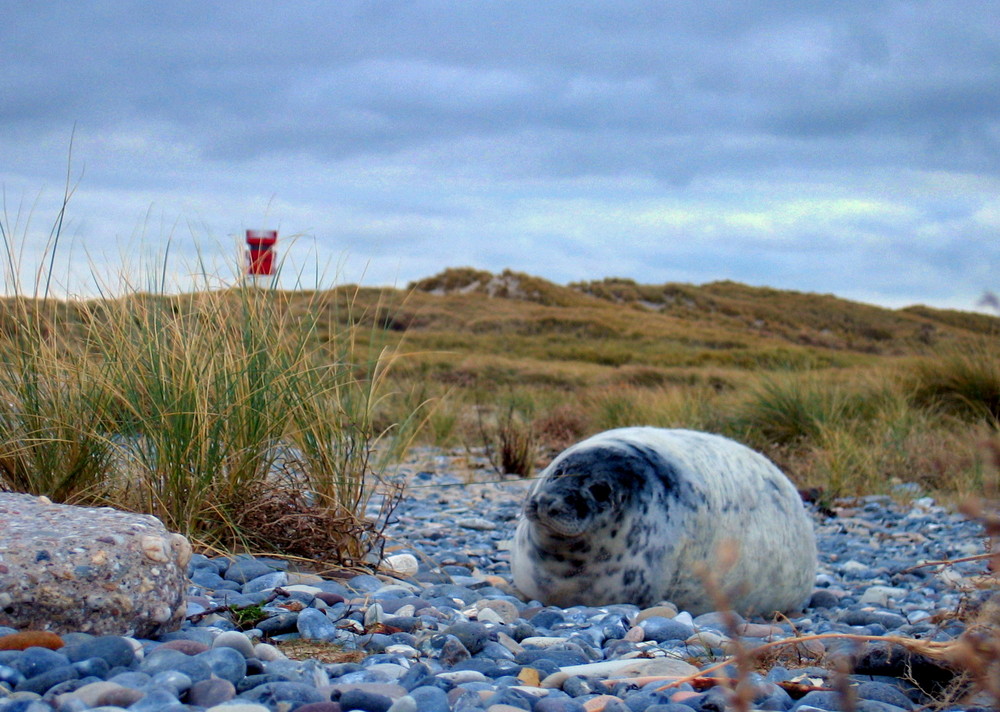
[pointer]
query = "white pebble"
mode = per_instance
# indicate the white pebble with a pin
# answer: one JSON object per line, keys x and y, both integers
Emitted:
{"x": 267, "y": 652}
{"x": 405, "y": 650}
{"x": 235, "y": 640}
{"x": 401, "y": 564}
{"x": 488, "y": 615}
{"x": 374, "y": 615}
{"x": 881, "y": 595}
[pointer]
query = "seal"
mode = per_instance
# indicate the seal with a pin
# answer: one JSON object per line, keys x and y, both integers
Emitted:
{"x": 632, "y": 516}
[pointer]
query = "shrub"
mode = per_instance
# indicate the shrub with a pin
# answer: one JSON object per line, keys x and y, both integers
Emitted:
{"x": 788, "y": 410}
{"x": 964, "y": 382}
{"x": 188, "y": 407}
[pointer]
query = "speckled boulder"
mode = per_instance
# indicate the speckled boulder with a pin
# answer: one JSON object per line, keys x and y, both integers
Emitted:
{"x": 97, "y": 570}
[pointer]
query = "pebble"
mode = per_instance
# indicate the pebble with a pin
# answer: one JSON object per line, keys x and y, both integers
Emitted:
{"x": 442, "y": 632}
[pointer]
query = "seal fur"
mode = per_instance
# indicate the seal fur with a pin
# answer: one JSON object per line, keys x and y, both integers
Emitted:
{"x": 628, "y": 515}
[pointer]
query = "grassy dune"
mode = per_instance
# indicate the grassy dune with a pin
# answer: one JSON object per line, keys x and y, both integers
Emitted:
{"x": 181, "y": 405}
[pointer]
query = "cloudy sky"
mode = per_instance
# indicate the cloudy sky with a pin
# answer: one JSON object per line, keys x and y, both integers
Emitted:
{"x": 850, "y": 147}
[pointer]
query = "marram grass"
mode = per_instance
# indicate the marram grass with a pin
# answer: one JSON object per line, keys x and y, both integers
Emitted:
{"x": 192, "y": 407}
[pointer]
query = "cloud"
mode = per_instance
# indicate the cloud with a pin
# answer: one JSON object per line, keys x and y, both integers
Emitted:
{"x": 850, "y": 147}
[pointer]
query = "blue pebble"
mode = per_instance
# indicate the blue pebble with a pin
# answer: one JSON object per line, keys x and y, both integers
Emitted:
{"x": 23, "y": 705}
{"x": 430, "y": 698}
{"x": 226, "y": 663}
{"x": 194, "y": 668}
{"x": 133, "y": 679}
{"x": 512, "y": 697}
{"x": 98, "y": 667}
{"x": 280, "y": 623}
{"x": 356, "y": 699}
{"x": 662, "y": 629}
{"x": 365, "y": 583}
{"x": 113, "y": 649}
{"x": 313, "y": 624}
{"x": 274, "y": 693}
{"x": 251, "y": 681}
{"x": 10, "y": 676}
{"x": 473, "y": 635}
{"x": 175, "y": 680}
{"x": 156, "y": 699}
{"x": 547, "y": 617}
{"x": 208, "y": 578}
{"x": 551, "y": 704}
{"x": 883, "y": 692}
{"x": 41, "y": 682}
{"x": 244, "y": 570}
{"x": 35, "y": 661}
{"x": 265, "y": 582}
{"x": 162, "y": 659}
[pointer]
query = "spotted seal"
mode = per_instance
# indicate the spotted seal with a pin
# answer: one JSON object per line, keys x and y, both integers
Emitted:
{"x": 628, "y": 515}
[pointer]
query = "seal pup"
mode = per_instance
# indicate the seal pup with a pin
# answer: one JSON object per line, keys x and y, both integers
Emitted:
{"x": 629, "y": 515}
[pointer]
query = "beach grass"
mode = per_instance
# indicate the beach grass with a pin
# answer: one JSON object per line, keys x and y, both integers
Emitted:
{"x": 221, "y": 408}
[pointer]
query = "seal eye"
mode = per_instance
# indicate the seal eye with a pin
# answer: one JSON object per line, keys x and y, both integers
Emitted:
{"x": 600, "y": 492}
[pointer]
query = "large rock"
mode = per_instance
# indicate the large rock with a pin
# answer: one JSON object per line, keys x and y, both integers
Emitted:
{"x": 97, "y": 570}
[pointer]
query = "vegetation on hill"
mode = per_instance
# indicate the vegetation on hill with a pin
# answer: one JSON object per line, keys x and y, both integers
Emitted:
{"x": 183, "y": 390}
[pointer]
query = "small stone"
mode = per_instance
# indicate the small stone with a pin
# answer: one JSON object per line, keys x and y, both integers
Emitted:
{"x": 314, "y": 625}
{"x": 666, "y": 610}
{"x": 402, "y": 565}
{"x": 529, "y": 676}
{"x": 188, "y": 647}
{"x": 476, "y": 523}
{"x": 320, "y": 707}
{"x": 358, "y": 699}
{"x": 99, "y": 694}
{"x": 663, "y": 629}
{"x": 430, "y": 699}
{"x": 506, "y": 610}
{"x": 243, "y": 570}
{"x": 211, "y": 692}
{"x": 453, "y": 652}
{"x": 759, "y": 630}
{"x": 247, "y": 707}
{"x": 41, "y": 682}
{"x": 278, "y": 695}
{"x": 235, "y": 640}
{"x": 822, "y": 598}
{"x": 374, "y": 614}
{"x": 31, "y": 639}
{"x": 267, "y": 652}
{"x": 115, "y": 650}
{"x": 635, "y": 634}
{"x": 35, "y": 661}
{"x": 488, "y": 615}
{"x": 404, "y": 704}
{"x": 265, "y": 582}
{"x": 224, "y": 662}
{"x": 472, "y": 635}
{"x": 881, "y": 595}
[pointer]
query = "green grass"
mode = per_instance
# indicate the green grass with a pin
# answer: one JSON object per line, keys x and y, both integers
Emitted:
{"x": 962, "y": 382}
{"x": 195, "y": 396}
{"x": 191, "y": 407}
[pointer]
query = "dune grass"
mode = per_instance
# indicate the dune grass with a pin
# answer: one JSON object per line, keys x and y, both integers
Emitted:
{"x": 197, "y": 407}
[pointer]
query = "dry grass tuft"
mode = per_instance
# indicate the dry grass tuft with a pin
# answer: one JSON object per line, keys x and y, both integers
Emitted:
{"x": 319, "y": 650}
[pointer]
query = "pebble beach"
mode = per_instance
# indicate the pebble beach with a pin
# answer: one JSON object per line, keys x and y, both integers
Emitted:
{"x": 442, "y": 629}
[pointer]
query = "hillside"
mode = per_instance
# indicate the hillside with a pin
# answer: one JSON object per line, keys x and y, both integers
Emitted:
{"x": 466, "y": 325}
{"x": 842, "y": 394}
{"x": 616, "y": 323}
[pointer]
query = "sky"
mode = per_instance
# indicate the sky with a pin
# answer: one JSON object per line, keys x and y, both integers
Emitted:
{"x": 848, "y": 147}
